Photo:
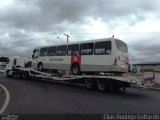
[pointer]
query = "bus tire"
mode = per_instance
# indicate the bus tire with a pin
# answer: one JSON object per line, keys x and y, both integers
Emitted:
{"x": 102, "y": 85}
{"x": 40, "y": 66}
{"x": 75, "y": 69}
{"x": 90, "y": 83}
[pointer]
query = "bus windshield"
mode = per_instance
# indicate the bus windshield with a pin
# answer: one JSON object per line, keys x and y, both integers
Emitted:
{"x": 121, "y": 46}
{"x": 35, "y": 54}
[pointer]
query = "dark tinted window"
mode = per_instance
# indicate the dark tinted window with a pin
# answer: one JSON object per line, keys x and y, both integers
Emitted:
{"x": 51, "y": 51}
{"x": 61, "y": 50}
{"x": 43, "y": 51}
{"x": 87, "y": 48}
{"x": 73, "y": 49}
{"x": 102, "y": 48}
{"x": 35, "y": 53}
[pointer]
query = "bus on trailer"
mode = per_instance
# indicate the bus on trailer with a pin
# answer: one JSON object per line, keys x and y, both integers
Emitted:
{"x": 108, "y": 55}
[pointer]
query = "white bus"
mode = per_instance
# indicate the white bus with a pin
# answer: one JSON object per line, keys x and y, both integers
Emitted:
{"x": 107, "y": 55}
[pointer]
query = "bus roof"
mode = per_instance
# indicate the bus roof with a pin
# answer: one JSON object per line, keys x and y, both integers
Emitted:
{"x": 79, "y": 42}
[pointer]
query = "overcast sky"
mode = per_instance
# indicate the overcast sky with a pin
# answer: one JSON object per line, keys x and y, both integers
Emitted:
{"x": 25, "y": 24}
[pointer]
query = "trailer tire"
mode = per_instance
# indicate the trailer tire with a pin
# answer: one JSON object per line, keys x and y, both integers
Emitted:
{"x": 19, "y": 75}
{"x": 90, "y": 83}
{"x": 75, "y": 69}
{"x": 23, "y": 75}
{"x": 26, "y": 75}
{"x": 112, "y": 86}
{"x": 7, "y": 75}
{"x": 40, "y": 66}
{"x": 102, "y": 85}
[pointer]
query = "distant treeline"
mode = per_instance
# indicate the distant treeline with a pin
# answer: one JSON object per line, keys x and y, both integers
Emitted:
{"x": 4, "y": 59}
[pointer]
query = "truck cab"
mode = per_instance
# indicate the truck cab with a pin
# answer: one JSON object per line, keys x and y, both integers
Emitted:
{"x": 15, "y": 62}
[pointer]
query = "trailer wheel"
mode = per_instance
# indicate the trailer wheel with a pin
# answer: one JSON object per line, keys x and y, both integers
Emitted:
{"x": 102, "y": 85}
{"x": 23, "y": 75}
{"x": 75, "y": 69}
{"x": 112, "y": 86}
{"x": 19, "y": 75}
{"x": 7, "y": 75}
{"x": 40, "y": 66}
{"x": 90, "y": 83}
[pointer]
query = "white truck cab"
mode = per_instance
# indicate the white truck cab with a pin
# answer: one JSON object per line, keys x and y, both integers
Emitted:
{"x": 15, "y": 62}
{"x": 2, "y": 66}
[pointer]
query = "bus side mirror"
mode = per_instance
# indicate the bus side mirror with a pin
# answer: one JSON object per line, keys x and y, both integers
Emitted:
{"x": 32, "y": 56}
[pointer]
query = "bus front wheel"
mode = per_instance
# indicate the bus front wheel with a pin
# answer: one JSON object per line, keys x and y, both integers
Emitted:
{"x": 75, "y": 69}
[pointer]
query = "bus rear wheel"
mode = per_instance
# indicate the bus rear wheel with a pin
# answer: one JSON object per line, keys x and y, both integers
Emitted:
{"x": 75, "y": 69}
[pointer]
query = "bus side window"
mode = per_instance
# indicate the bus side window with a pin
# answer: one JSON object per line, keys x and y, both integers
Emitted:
{"x": 61, "y": 50}
{"x": 102, "y": 48}
{"x": 51, "y": 51}
{"x": 86, "y": 49}
{"x": 43, "y": 51}
{"x": 73, "y": 50}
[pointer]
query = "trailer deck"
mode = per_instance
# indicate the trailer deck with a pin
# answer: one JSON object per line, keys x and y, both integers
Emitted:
{"x": 136, "y": 80}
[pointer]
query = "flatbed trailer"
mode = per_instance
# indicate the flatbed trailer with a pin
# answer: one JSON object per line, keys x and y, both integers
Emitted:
{"x": 102, "y": 82}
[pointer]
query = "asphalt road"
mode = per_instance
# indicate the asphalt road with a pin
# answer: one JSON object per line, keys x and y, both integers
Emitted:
{"x": 31, "y": 96}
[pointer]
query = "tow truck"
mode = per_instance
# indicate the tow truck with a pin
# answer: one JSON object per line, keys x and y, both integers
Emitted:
{"x": 19, "y": 68}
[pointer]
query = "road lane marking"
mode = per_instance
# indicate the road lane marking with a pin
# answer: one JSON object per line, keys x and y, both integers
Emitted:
{"x": 6, "y": 101}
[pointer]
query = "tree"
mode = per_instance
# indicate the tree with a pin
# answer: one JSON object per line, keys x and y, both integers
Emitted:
{"x": 4, "y": 59}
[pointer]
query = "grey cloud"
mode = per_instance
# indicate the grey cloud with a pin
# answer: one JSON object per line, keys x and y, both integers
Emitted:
{"x": 145, "y": 48}
{"x": 14, "y": 51}
{"x": 18, "y": 34}
{"x": 45, "y": 14}
{"x": 25, "y": 17}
